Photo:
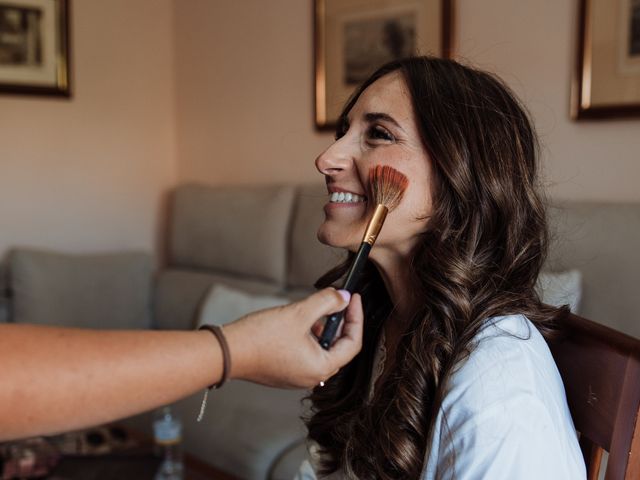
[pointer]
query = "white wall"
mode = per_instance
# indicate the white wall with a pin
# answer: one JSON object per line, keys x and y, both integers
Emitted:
{"x": 88, "y": 173}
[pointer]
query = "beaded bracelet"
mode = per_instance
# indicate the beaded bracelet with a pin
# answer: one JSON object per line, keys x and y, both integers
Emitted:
{"x": 226, "y": 364}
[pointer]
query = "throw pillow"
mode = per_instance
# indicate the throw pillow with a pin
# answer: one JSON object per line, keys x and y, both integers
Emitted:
{"x": 561, "y": 288}
{"x": 224, "y": 304}
{"x": 95, "y": 291}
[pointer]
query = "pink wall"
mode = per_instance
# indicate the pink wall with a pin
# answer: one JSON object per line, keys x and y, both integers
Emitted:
{"x": 167, "y": 91}
{"x": 87, "y": 174}
{"x": 244, "y": 83}
{"x": 244, "y": 100}
{"x": 532, "y": 46}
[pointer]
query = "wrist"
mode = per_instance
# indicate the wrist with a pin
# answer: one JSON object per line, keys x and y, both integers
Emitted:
{"x": 214, "y": 361}
{"x": 238, "y": 351}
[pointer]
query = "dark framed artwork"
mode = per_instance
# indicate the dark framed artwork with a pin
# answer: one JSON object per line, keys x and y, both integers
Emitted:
{"x": 354, "y": 37}
{"x": 607, "y": 78}
{"x": 34, "y": 47}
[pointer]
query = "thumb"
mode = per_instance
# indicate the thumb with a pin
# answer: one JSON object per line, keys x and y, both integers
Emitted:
{"x": 350, "y": 342}
{"x": 322, "y": 303}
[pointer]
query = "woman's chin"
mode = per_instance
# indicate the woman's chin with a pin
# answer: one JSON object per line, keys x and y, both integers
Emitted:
{"x": 335, "y": 239}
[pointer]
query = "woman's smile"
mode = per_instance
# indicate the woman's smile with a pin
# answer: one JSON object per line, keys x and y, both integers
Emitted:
{"x": 346, "y": 197}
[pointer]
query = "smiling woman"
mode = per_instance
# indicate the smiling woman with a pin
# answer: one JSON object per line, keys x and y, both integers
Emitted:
{"x": 455, "y": 379}
{"x": 379, "y": 130}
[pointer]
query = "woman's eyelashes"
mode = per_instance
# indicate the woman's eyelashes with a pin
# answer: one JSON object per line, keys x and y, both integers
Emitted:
{"x": 374, "y": 133}
{"x": 378, "y": 133}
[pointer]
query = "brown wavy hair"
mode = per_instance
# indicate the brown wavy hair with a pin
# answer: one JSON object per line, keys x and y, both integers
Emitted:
{"x": 480, "y": 256}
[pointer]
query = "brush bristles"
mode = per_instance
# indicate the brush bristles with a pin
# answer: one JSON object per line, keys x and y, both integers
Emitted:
{"x": 387, "y": 186}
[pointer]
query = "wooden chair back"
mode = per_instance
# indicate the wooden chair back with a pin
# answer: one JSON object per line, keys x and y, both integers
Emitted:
{"x": 600, "y": 368}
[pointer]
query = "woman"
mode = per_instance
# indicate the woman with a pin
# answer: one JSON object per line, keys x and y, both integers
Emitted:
{"x": 454, "y": 379}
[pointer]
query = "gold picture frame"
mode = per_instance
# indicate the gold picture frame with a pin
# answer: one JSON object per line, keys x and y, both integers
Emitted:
{"x": 353, "y": 37}
{"x": 606, "y": 82}
{"x": 34, "y": 47}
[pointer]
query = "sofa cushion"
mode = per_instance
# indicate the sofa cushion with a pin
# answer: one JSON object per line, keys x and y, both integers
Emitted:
{"x": 236, "y": 230}
{"x": 96, "y": 291}
{"x": 245, "y": 429}
{"x": 179, "y": 295}
{"x": 561, "y": 288}
{"x": 309, "y": 258}
{"x": 289, "y": 462}
{"x": 224, "y": 304}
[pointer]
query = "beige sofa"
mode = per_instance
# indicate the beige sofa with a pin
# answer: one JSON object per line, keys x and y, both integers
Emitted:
{"x": 261, "y": 241}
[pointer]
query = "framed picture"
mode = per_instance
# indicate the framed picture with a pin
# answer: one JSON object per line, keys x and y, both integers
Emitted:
{"x": 354, "y": 37}
{"x": 34, "y": 47}
{"x": 607, "y": 78}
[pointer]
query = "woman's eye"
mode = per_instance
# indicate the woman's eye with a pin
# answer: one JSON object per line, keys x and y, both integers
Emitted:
{"x": 376, "y": 132}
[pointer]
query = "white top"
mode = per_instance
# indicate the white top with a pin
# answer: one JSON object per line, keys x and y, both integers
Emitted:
{"x": 506, "y": 413}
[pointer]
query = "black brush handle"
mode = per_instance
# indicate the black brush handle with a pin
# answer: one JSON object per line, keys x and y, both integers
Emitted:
{"x": 333, "y": 321}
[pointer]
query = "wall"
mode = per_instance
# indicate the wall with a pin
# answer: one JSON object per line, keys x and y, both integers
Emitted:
{"x": 87, "y": 174}
{"x": 531, "y": 44}
{"x": 221, "y": 92}
{"x": 244, "y": 82}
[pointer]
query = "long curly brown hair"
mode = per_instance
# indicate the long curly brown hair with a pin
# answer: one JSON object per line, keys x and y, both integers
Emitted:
{"x": 485, "y": 243}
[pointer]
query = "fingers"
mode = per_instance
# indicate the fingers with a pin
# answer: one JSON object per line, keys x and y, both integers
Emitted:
{"x": 317, "y": 328}
{"x": 350, "y": 342}
{"x": 324, "y": 302}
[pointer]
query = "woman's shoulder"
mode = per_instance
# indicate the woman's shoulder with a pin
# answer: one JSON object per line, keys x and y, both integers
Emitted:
{"x": 511, "y": 337}
{"x": 508, "y": 358}
{"x": 504, "y": 408}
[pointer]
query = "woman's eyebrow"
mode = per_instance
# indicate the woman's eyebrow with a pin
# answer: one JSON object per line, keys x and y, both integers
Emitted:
{"x": 374, "y": 116}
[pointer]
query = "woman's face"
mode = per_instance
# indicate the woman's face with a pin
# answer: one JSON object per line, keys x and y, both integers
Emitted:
{"x": 381, "y": 130}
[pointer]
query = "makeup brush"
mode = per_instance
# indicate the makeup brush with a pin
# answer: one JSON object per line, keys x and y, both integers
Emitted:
{"x": 387, "y": 187}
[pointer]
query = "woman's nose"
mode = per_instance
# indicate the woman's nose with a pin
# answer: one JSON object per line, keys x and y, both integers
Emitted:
{"x": 335, "y": 159}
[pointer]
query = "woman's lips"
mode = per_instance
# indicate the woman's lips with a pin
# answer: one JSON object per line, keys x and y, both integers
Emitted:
{"x": 335, "y": 206}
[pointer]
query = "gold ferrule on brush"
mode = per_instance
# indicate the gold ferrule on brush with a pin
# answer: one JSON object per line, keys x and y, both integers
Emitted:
{"x": 375, "y": 224}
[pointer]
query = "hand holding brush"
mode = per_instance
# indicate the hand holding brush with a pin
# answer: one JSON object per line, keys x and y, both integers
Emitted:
{"x": 387, "y": 187}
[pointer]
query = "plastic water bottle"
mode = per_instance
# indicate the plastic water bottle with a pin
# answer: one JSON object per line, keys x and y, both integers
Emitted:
{"x": 167, "y": 433}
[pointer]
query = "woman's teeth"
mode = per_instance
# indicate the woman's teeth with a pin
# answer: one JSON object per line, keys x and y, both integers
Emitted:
{"x": 346, "y": 197}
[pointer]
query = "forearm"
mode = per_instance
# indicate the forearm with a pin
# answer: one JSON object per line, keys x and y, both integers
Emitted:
{"x": 56, "y": 379}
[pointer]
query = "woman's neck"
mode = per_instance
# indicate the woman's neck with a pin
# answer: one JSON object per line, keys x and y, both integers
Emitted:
{"x": 395, "y": 274}
{"x": 394, "y": 271}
